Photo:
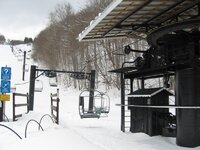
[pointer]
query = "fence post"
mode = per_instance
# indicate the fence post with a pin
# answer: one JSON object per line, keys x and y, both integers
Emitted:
{"x": 58, "y": 100}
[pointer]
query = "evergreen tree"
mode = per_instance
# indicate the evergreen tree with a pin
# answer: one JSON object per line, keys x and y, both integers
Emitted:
{"x": 2, "y": 39}
{"x": 26, "y": 40}
{"x": 30, "y": 40}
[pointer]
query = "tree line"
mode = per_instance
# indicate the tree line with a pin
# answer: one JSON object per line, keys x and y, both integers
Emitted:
{"x": 57, "y": 47}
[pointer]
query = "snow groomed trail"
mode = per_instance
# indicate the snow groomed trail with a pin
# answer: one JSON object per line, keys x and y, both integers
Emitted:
{"x": 73, "y": 133}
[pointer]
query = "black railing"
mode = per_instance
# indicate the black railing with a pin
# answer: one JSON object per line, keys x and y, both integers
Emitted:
{"x": 20, "y": 104}
{"x": 55, "y": 106}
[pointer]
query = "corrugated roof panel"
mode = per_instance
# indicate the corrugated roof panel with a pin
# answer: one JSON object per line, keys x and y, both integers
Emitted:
{"x": 137, "y": 14}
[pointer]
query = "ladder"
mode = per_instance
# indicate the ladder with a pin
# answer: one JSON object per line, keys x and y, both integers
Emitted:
{"x": 125, "y": 112}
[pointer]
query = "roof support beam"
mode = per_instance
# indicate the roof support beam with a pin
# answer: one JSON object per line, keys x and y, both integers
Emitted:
{"x": 195, "y": 2}
{"x": 158, "y": 15}
{"x": 163, "y": 12}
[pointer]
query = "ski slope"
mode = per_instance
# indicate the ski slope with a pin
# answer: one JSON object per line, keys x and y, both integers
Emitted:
{"x": 72, "y": 133}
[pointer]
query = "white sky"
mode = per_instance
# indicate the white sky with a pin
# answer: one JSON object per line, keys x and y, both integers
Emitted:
{"x": 26, "y": 18}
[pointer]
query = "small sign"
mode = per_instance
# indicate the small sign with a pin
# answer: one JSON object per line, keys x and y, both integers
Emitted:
{"x": 5, "y": 86}
{"x": 5, "y": 73}
{"x": 80, "y": 76}
{"x": 4, "y": 97}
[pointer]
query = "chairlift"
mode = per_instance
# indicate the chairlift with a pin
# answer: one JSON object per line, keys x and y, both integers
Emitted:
{"x": 26, "y": 67}
{"x": 50, "y": 74}
{"x": 53, "y": 82}
{"x": 19, "y": 58}
{"x": 38, "y": 86}
{"x": 28, "y": 56}
{"x": 104, "y": 105}
{"x": 101, "y": 104}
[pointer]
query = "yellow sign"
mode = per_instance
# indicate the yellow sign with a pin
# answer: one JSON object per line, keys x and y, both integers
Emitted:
{"x": 4, "y": 97}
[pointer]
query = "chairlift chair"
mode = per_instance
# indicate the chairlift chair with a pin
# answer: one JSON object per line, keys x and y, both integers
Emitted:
{"x": 26, "y": 67}
{"x": 19, "y": 58}
{"x": 38, "y": 86}
{"x": 53, "y": 82}
{"x": 104, "y": 102}
{"x": 101, "y": 104}
{"x": 28, "y": 56}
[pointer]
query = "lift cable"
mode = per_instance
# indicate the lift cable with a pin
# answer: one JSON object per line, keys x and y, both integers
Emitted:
{"x": 98, "y": 56}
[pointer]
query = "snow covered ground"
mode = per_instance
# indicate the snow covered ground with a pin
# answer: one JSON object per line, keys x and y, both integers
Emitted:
{"x": 72, "y": 133}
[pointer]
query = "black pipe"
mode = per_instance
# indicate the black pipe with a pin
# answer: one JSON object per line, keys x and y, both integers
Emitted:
{"x": 32, "y": 120}
{"x": 11, "y": 130}
{"x": 45, "y": 116}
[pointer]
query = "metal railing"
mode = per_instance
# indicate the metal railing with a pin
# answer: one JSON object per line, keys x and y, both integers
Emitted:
{"x": 19, "y": 105}
{"x": 55, "y": 106}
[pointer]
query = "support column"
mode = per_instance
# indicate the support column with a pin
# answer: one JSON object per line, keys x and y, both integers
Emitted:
{"x": 92, "y": 88}
{"x": 122, "y": 102}
{"x": 142, "y": 84}
{"x": 24, "y": 66}
{"x": 32, "y": 87}
{"x": 188, "y": 120}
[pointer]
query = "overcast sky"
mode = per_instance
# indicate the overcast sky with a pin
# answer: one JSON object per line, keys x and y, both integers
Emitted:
{"x": 26, "y": 18}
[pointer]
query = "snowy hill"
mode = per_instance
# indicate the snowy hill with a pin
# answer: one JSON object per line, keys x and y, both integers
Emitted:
{"x": 72, "y": 133}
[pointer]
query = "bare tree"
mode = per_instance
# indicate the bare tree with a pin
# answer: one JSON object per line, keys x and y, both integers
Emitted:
{"x": 57, "y": 46}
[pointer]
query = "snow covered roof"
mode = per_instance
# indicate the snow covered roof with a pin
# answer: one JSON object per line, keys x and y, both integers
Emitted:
{"x": 148, "y": 92}
{"x": 124, "y": 18}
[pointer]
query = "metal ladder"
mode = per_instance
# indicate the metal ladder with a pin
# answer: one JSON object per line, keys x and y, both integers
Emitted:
{"x": 125, "y": 112}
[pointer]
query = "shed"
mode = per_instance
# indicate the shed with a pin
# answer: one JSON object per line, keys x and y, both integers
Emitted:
{"x": 149, "y": 120}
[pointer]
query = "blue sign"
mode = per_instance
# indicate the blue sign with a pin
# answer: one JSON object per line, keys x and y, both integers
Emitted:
{"x": 5, "y": 86}
{"x": 5, "y": 73}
